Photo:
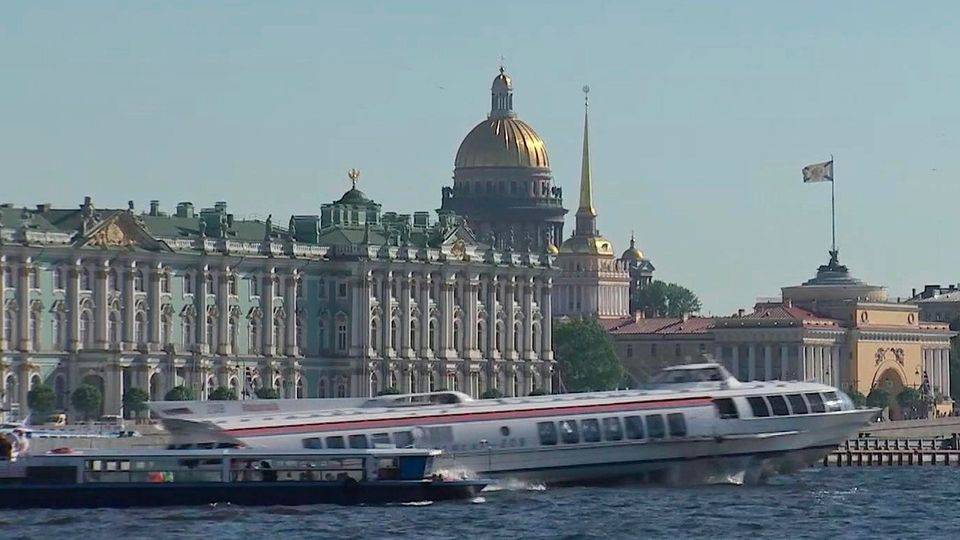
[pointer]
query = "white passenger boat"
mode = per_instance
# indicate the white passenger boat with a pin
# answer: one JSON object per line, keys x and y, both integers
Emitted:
{"x": 695, "y": 424}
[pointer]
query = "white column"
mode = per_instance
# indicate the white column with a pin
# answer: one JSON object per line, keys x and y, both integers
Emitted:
{"x": 268, "y": 292}
{"x": 546, "y": 320}
{"x": 424, "y": 304}
{"x": 129, "y": 306}
{"x": 23, "y": 314}
{"x": 3, "y": 312}
{"x": 527, "y": 306}
{"x": 221, "y": 280}
{"x": 508, "y": 300}
{"x": 784, "y": 363}
{"x": 837, "y": 366}
{"x": 471, "y": 313}
{"x": 447, "y": 283}
{"x": 768, "y": 362}
{"x": 386, "y": 314}
{"x": 406, "y": 350}
{"x": 101, "y": 310}
{"x": 752, "y": 362}
{"x": 154, "y": 315}
{"x": 73, "y": 311}
{"x": 290, "y": 304}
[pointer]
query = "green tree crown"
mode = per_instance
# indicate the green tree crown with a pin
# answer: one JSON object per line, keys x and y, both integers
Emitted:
{"x": 87, "y": 399}
{"x": 585, "y": 356}
{"x": 179, "y": 393}
{"x": 135, "y": 401}
{"x": 42, "y": 401}
{"x": 222, "y": 393}
{"x": 661, "y": 299}
{"x": 266, "y": 392}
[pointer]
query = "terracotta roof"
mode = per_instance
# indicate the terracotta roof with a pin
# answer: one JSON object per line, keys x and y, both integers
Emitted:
{"x": 779, "y": 313}
{"x": 668, "y": 325}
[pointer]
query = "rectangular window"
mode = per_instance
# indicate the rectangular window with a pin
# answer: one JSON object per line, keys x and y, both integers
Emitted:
{"x": 797, "y": 404}
{"x": 758, "y": 406}
{"x": 676, "y": 351}
{"x": 629, "y": 351}
{"x": 816, "y": 402}
{"x": 832, "y": 402}
{"x": 634, "y": 427}
{"x": 778, "y": 405}
{"x": 677, "y": 424}
{"x": 380, "y": 438}
{"x": 313, "y": 443}
{"x": 547, "y": 432}
{"x": 358, "y": 441}
{"x": 335, "y": 442}
{"x": 569, "y": 433}
{"x": 342, "y": 290}
{"x": 612, "y": 431}
{"x": 591, "y": 430}
{"x": 726, "y": 408}
{"x": 403, "y": 439}
{"x": 655, "y": 426}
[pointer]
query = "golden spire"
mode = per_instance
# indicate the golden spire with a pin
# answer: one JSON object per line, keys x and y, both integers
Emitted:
{"x": 354, "y": 175}
{"x": 586, "y": 186}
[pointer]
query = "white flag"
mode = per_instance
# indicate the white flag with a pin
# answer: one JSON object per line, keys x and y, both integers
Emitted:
{"x": 818, "y": 172}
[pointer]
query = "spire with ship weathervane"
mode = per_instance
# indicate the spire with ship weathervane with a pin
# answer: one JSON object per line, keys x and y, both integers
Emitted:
{"x": 586, "y": 213}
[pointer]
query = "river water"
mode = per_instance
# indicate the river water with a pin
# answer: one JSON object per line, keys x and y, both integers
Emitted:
{"x": 906, "y": 502}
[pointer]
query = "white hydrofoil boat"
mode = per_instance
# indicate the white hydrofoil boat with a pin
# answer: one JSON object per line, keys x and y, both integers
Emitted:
{"x": 695, "y": 424}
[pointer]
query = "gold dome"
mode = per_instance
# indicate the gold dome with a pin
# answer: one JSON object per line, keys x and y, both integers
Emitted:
{"x": 502, "y": 142}
{"x": 552, "y": 249}
{"x": 589, "y": 245}
{"x": 632, "y": 253}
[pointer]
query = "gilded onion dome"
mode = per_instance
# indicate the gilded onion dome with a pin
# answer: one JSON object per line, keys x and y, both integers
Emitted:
{"x": 502, "y": 140}
{"x": 632, "y": 253}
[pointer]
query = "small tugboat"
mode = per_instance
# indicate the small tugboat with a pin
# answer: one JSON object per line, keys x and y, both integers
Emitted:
{"x": 137, "y": 478}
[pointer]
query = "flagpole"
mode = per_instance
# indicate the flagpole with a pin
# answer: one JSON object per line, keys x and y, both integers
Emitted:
{"x": 833, "y": 203}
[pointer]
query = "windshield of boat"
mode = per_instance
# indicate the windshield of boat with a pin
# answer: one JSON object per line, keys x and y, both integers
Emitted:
{"x": 681, "y": 376}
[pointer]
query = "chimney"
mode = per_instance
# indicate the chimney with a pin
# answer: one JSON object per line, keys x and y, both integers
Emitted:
{"x": 740, "y": 312}
{"x": 130, "y": 206}
{"x": 185, "y": 209}
{"x": 43, "y": 207}
{"x": 220, "y": 206}
{"x": 913, "y": 293}
{"x": 154, "y": 207}
{"x": 229, "y": 221}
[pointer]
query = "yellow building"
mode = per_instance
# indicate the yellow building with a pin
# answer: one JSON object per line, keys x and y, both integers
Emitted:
{"x": 833, "y": 328}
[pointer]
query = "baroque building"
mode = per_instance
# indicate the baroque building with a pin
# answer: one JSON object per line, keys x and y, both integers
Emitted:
{"x": 833, "y": 328}
{"x": 593, "y": 283}
{"x": 349, "y": 302}
{"x": 502, "y": 181}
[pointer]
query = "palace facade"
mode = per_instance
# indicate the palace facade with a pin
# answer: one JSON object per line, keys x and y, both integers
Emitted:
{"x": 349, "y": 302}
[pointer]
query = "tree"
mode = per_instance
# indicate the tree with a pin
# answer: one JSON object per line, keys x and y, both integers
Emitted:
{"x": 87, "y": 399}
{"x": 179, "y": 393}
{"x": 491, "y": 393}
{"x": 389, "y": 391}
{"x": 878, "y": 398}
{"x": 660, "y": 299}
{"x": 42, "y": 401}
{"x": 585, "y": 356}
{"x": 135, "y": 401}
{"x": 267, "y": 392}
{"x": 222, "y": 393}
{"x": 912, "y": 403}
{"x": 859, "y": 400}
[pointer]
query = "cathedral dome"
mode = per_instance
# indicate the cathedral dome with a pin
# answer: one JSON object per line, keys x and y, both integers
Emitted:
{"x": 587, "y": 245}
{"x": 632, "y": 253}
{"x": 502, "y": 140}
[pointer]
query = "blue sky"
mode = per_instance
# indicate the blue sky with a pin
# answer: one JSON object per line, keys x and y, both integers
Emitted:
{"x": 702, "y": 115}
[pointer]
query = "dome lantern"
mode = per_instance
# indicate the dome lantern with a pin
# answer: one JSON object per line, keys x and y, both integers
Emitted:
{"x": 501, "y": 96}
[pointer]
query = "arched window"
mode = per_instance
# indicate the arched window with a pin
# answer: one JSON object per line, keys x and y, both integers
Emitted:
{"x": 140, "y": 328}
{"x": 414, "y": 336}
{"x": 411, "y": 380}
{"x": 341, "y": 388}
{"x": 299, "y": 394}
{"x": 431, "y": 382}
{"x": 232, "y": 333}
{"x": 166, "y": 329}
{"x": 188, "y": 336}
{"x": 516, "y": 385}
{"x": 278, "y": 335}
{"x": 113, "y": 284}
{"x": 394, "y": 335}
{"x": 8, "y": 321}
{"x": 85, "y": 282}
{"x": 374, "y": 384}
{"x": 57, "y": 332}
{"x": 211, "y": 333}
{"x": 35, "y": 329}
{"x": 457, "y": 334}
{"x": 452, "y": 381}
{"x": 113, "y": 328}
{"x": 341, "y": 333}
{"x": 434, "y": 338}
{"x": 500, "y": 336}
{"x": 481, "y": 343}
{"x": 517, "y": 337}
{"x": 138, "y": 284}
{"x": 85, "y": 332}
{"x": 11, "y": 390}
{"x": 536, "y": 337}
{"x": 322, "y": 388}
{"x": 321, "y": 336}
{"x": 375, "y": 335}
{"x": 253, "y": 343}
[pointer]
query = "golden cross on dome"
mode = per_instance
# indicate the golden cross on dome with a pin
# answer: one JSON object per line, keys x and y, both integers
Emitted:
{"x": 354, "y": 175}
{"x": 501, "y": 59}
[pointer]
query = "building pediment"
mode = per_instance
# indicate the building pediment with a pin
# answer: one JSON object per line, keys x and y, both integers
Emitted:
{"x": 121, "y": 230}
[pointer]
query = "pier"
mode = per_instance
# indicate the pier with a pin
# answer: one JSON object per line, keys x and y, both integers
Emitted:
{"x": 877, "y": 452}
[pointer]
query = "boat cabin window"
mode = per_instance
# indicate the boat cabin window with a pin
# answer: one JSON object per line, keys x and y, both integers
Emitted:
{"x": 358, "y": 441}
{"x": 591, "y": 430}
{"x": 655, "y": 426}
{"x": 832, "y": 402}
{"x": 816, "y": 402}
{"x": 335, "y": 442}
{"x": 403, "y": 439}
{"x": 778, "y": 405}
{"x": 569, "y": 433}
{"x": 547, "y": 432}
{"x": 634, "y": 427}
{"x": 380, "y": 438}
{"x": 677, "y": 424}
{"x": 726, "y": 408}
{"x": 313, "y": 443}
{"x": 758, "y": 406}
{"x": 797, "y": 403}
{"x": 612, "y": 431}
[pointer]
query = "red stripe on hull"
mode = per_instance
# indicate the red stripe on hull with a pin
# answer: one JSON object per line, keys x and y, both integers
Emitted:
{"x": 467, "y": 417}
